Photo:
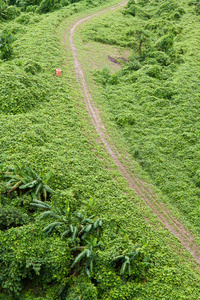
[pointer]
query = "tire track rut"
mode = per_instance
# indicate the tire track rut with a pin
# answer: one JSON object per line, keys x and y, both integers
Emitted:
{"x": 142, "y": 189}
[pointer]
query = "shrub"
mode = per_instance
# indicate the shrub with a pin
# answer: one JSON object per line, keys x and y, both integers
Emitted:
{"x": 134, "y": 65}
{"x": 125, "y": 118}
{"x": 19, "y": 91}
{"x": 24, "y": 18}
{"x": 26, "y": 255}
{"x": 11, "y": 12}
{"x": 32, "y": 67}
{"x": 6, "y": 40}
{"x": 167, "y": 7}
{"x": 82, "y": 289}
{"x": 165, "y": 43}
{"x": 197, "y": 9}
{"x": 25, "y": 181}
{"x": 12, "y": 217}
{"x": 154, "y": 71}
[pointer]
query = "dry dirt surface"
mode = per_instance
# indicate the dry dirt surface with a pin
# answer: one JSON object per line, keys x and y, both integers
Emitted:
{"x": 141, "y": 188}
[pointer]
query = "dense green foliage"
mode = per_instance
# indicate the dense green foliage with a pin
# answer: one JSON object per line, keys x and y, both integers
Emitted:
{"x": 26, "y": 182}
{"x": 41, "y": 125}
{"x": 154, "y": 99}
{"x": 6, "y": 49}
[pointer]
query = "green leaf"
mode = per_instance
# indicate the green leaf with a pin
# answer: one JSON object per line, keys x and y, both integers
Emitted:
{"x": 71, "y": 228}
{"x": 78, "y": 258}
{"x": 88, "y": 227}
{"x": 87, "y": 220}
{"x": 118, "y": 257}
{"x": 96, "y": 223}
{"x": 88, "y": 252}
{"x": 48, "y": 176}
{"x": 87, "y": 272}
{"x": 28, "y": 185}
{"x": 74, "y": 234}
{"x": 49, "y": 213}
{"x": 44, "y": 192}
{"x": 33, "y": 196}
{"x": 91, "y": 265}
{"x": 48, "y": 229}
{"x": 123, "y": 268}
{"x": 48, "y": 189}
{"x": 65, "y": 233}
{"x": 15, "y": 187}
{"x": 40, "y": 204}
{"x": 38, "y": 188}
{"x": 129, "y": 269}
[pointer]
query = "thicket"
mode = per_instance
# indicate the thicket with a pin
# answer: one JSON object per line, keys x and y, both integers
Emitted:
{"x": 37, "y": 265}
{"x": 11, "y": 9}
{"x": 154, "y": 98}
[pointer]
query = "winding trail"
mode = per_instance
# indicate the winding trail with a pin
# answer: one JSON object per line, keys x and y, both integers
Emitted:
{"x": 141, "y": 188}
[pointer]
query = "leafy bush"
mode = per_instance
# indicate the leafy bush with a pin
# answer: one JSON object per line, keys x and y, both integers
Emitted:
{"x": 197, "y": 9}
{"x": 11, "y": 12}
{"x": 32, "y": 67}
{"x": 12, "y": 217}
{"x": 24, "y": 18}
{"x": 132, "y": 264}
{"x": 26, "y": 255}
{"x": 83, "y": 289}
{"x": 125, "y": 118}
{"x": 20, "y": 92}
{"x": 25, "y": 181}
{"x": 154, "y": 71}
{"x": 167, "y": 7}
{"x": 6, "y": 40}
{"x": 72, "y": 224}
{"x": 2, "y": 8}
{"x": 165, "y": 42}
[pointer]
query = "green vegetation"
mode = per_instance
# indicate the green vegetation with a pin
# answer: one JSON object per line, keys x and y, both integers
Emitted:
{"x": 154, "y": 98}
{"x": 89, "y": 238}
{"x": 6, "y": 40}
{"x": 26, "y": 182}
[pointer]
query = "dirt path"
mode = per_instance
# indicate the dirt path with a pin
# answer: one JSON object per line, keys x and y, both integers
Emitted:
{"x": 141, "y": 188}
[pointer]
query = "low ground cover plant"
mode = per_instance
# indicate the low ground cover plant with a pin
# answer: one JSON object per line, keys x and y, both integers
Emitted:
{"x": 50, "y": 136}
{"x": 154, "y": 98}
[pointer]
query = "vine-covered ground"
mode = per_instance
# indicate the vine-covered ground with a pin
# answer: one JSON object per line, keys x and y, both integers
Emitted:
{"x": 154, "y": 99}
{"x": 44, "y": 124}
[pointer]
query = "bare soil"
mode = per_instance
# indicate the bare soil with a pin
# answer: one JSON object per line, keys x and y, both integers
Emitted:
{"x": 141, "y": 188}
